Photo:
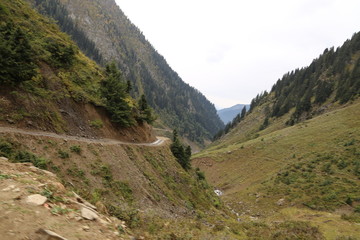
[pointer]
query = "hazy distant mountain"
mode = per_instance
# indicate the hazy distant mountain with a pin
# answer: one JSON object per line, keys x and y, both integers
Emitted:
{"x": 228, "y": 114}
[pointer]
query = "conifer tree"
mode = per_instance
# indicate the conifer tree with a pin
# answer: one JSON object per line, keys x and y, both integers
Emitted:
{"x": 113, "y": 90}
{"x": 182, "y": 155}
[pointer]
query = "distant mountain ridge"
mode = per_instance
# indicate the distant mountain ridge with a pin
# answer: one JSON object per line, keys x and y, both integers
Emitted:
{"x": 227, "y": 114}
{"x": 178, "y": 105}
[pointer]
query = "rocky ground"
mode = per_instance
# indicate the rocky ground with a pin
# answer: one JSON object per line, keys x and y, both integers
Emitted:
{"x": 34, "y": 205}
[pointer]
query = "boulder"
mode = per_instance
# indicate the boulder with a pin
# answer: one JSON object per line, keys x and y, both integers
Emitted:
{"x": 88, "y": 214}
{"x": 36, "y": 199}
{"x": 47, "y": 235}
{"x": 281, "y": 202}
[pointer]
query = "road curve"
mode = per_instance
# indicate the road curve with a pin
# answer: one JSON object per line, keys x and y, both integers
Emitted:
{"x": 160, "y": 140}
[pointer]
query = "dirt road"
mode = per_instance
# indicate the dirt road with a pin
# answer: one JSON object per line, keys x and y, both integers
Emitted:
{"x": 159, "y": 142}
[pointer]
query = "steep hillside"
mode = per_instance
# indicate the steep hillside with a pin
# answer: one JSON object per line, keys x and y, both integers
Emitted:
{"x": 35, "y": 205}
{"x": 142, "y": 186}
{"x": 228, "y": 114}
{"x": 48, "y": 84}
{"x": 178, "y": 105}
{"x": 295, "y": 154}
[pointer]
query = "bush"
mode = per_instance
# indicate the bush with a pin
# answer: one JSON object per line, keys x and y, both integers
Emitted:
{"x": 96, "y": 124}
{"x": 24, "y": 156}
{"x": 200, "y": 174}
{"x": 63, "y": 154}
{"x": 75, "y": 149}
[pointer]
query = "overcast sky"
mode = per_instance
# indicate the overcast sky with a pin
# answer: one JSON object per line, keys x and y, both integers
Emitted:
{"x": 232, "y": 50}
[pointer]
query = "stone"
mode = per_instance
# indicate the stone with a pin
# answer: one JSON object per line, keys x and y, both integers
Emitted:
{"x": 50, "y": 174}
{"x": 88, "y": 214}
{"x": 47, "y": 234}
{"x": 281, "y": 202}
{"x": 84, "y": 202}
{"x": 218, "y": 192}
{"x": 4, "y": 158}
{"x": 36, "y": 199}
{"x": 9, "y": 188}
{"x": 86, "y": 228}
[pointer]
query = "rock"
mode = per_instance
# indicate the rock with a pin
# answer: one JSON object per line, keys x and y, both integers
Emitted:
{"x": 86, "y": 228}
{"x": 4, "y": 158}
{"x": 103, "y": 222}
{"x": 9, "y": 188}
{"x": 36, "y": 199}
{"x": 218, "y": 192}
{"x": 281, "y": 202}
{"x": 49, "y": 235}
{"x": 86, "y": 203}
{"x": 50, "y": 174}
{"x": 88, "y": 214}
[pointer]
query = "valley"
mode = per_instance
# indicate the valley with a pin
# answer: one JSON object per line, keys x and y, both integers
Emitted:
{"x": 93, "y": 118}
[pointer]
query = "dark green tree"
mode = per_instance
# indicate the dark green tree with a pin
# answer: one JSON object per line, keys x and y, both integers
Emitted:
{"x": 16, "y": 55}
{"x": 113, "y": 90}
{"x": 128, "y": 86}
{"x": 181, "y": 154}
{"x": 243, "y": 112}
{"x": 145, "y": 111}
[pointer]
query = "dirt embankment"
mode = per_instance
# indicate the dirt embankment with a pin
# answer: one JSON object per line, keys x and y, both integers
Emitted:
{"x": 35, "y": 205}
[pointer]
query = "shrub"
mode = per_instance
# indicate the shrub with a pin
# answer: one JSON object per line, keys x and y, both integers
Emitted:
{"x": 24, "y": 156}
{"x": 96, "y": 124}
{"x": 63, "y": 154}
{"x": 75, "y": 149}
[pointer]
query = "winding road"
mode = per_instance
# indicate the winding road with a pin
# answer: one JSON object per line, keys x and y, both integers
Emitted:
{"x": 159, "y": 142}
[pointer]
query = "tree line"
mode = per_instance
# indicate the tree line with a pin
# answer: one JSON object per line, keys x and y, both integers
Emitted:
{"x": 334, "y": 76}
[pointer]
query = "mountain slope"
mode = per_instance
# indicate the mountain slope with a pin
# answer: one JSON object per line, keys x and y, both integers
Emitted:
{"x": 296, "y": 152}
{"x": 48, "y": 84}
{"x": 228, "y": 114}
{"x": 116, "y": 38}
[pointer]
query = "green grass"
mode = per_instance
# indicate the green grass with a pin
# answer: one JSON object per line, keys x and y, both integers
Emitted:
{"x": 312, "y": 165}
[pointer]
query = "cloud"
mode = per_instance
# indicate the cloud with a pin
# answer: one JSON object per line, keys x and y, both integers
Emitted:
{"x": 232, "y": 50}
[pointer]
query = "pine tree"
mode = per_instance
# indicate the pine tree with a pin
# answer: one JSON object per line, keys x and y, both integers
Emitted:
{"x": 182, "y": 155}
{"x": 145, "y": 112}
{"x": 243, "y": 112}
{"x": 16, "y": 61}
{"x": 113, "y": 90}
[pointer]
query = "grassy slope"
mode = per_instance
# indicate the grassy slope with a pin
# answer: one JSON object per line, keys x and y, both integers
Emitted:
{"x": 144, "y": 186}
{"x": 313, "y": 164}
{"x": 60, "y": 97}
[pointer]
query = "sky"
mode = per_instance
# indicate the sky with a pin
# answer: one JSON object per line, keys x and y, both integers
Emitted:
{"x": 231, "y": 50}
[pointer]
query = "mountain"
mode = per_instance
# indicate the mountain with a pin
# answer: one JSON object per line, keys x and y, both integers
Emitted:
{"x": 228, "y": 114}
{"x": 110, "y": 36}
{"x": 295, "y": 153}
{"x": 64, "y": 114}
{"x": 48, "y": 84}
